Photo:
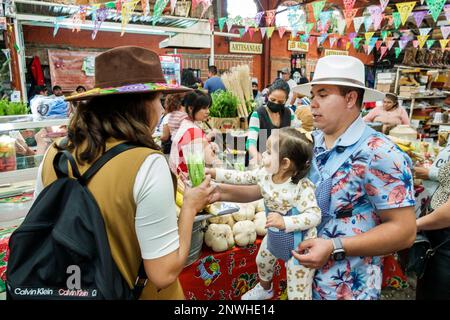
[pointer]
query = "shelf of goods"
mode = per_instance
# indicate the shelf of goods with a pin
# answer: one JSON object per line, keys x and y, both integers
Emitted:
{"x": 413, "y": 99}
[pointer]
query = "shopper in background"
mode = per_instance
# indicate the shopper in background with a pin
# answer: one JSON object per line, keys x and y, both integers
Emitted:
{"x": 273, "y": 115}
{"x": 188, "y": 79}
{"x": 435, "y": 283}
{"x": 80, "y": 89}
{"x": 214, "y": 82}
{"x": 171, "y": 120}
{"x": 134, "y": 190}
{"x": 57, "y": 91}
{"x": 257, "y": 96}
{"x": 196, "y": 105}
{"x": 390, "y": 113}
{"x": 286, "y": 76}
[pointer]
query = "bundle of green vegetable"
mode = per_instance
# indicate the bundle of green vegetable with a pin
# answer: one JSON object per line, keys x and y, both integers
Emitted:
{"x": 196, "y": 168}
{"x": 224, "y": 105}
{"x": 8, "y": 108}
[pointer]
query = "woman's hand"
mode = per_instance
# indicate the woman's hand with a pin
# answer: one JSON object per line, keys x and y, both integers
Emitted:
{"x": 211, "y": 172}
{"x": 421, "y": 173}
{"x": 199, "y": 197}
{"x": 274, "y": 219}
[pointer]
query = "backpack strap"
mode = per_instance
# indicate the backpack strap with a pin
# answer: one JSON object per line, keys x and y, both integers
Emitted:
{"x": 141, "y": 281}
{"x": 60, "y": 165}
{"x": 108, "y": 155}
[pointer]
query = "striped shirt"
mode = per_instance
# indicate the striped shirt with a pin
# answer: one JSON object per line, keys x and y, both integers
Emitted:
{"x": 175, "y": 119}
{"x": 254, "y": 128}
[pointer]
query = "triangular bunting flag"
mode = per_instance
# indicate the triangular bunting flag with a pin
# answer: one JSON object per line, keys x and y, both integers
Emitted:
{"x": 424, "y": 31}
{"x": 430, "y": 43}
{"x": 348, "y": 4}
{"x": 311, "y": 40}
{"x": 397, "y": 52}
{"x": 317, "y": 8}
{"x": 347, "y": 46}
{"x": 100, "y": 15}
{"x": 241, "y": 32}
{"x": 384, "y": 4}
{"x": 383, "y": 50}
{"x": 416, "y": 44}
{"x": 422, "y": 40}
{"x": 390, "y": 43}
{"x": 435, "y": 7}
{"x": 222, "y": 23}
{"x": 443, "y": 43}
{"x": 405, "y": 10}
{"x": 352, "y": 35}
{"x": 325, "y": 17}
{"x": 270, "y": 17}
{"x": 230, "y": 23}
{"x": 322, "y": 38}
{"x": 384, "y": 35}
{"x": 418, "y": 17}
{"x": 349, "y": 15}
{"x": 368, "y": 36}
{"x": 304, "y": 38}
{"x": 332, "y": 41}
{"x": 258, "y": 17}
{"x": 129, "y": 7}
{"x": 366, "y": 48}
{"x": 377, "y": 16}
{"x": 356, "y": 42}
{"x": 397, "y": 19}
{"x": 246, "y": 28}
{"x": 403, "y": 43}
{"x": 367, "y": 22}
{"x": 281, "y": 31}
{"x": 270, "y": 31}
{"x": 173, "y": 4}
{"x": 263, "y": 32}
{"x": 309, "y": 27}
{"x": 251, "y": 32}
{"x": 357, "y": 22}
{"x": 294, "y": 33}
{"x": 378, "y": 44}
{"x": 341, "y": 27}
{"x": 445, "y": 31}
{"x": 447, "y": 12}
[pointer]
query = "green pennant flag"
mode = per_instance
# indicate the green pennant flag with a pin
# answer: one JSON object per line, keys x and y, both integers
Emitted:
{"x": 241, "y": 32}
{"x": 435, "y": 7}
{"x": 356, "y": 42}
{"x": 16, "y": 47}
{"x": 309, "y": 27}
{"x": 110, "y": 5}
{"x": 317, "y": 8}
{"x": 397, "y": 52}
{"x": 222, "y": 23}
{"x": 430, "y": 43}
{"x": 384, "y": 34}
{"x": 397, "y": 19}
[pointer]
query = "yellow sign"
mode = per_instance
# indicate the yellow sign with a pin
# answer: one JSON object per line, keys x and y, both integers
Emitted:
{"x": 335, "y": 52}
{"x": 298, "y": 46}
{"x": 244, "y": 47}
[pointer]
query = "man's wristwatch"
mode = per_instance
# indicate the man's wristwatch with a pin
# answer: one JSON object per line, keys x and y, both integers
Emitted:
{"x": 338, "y": 253}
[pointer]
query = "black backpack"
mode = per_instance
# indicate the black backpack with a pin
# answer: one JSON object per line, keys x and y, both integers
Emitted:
{"x": 61, "y": 250}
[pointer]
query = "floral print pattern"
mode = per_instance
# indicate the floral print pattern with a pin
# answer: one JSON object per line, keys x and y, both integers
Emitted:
{"x": 377, "y": 177}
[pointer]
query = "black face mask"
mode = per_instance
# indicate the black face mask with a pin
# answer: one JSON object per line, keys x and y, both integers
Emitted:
{"x": 275, "y": 107}
{"x": 255, "y": 92}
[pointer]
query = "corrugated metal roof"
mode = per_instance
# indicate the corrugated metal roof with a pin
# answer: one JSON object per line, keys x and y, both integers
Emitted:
{"x": 58, "y": 10}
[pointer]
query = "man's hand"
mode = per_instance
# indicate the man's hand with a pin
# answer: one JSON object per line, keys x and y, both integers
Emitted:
{"x": 275, "y": 219}
{"x": 314, "y": 253}
{"x": 421, "y": 173}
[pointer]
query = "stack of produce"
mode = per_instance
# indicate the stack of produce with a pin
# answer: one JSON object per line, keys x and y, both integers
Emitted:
{"x": 240, "y": 228}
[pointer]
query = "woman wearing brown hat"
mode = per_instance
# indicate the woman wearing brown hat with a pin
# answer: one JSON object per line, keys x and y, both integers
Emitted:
{"x": 134, "y": 190}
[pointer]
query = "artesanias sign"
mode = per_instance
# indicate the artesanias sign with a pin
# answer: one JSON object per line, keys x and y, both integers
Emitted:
{"x": 245, "y": 47}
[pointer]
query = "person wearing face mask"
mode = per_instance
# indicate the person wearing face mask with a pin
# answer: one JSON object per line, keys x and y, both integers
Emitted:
{"x": 272, "y": 115}
{"x": 390, "y": 113}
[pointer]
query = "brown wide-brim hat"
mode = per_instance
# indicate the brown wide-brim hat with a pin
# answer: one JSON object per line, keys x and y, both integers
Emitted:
{"x": 128, "y": 70}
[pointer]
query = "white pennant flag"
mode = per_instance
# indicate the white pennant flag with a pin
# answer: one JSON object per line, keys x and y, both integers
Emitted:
{"x": 341, "y": 26}
{"x": 357, "y": 22}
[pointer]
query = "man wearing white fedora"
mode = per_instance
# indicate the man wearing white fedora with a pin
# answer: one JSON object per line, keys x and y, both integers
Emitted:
{"x": 364, "y": 187}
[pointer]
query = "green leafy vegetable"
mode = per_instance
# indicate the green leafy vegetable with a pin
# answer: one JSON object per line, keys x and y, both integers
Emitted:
{"x": 224, "y": 105}
{"x": 8, "y": 108}
{"x": 196, "y": 168}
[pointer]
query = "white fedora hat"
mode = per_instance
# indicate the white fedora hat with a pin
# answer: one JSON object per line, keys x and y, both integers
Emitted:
{"x": 340, "y": 71}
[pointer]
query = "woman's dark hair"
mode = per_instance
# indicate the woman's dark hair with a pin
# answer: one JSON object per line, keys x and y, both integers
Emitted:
{"x": 280, "y": 84}
{"x": 197, "y": 100}
{"x": 188, "y": 79}
{"x": 173, "y": 102}
{"x": 295, "y": 146}
{"x": 393, "y": 97}
{"x": 123, "y": 117}
{"x": 80, "y": 87}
